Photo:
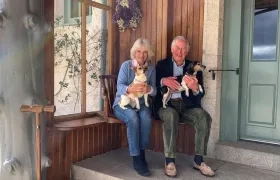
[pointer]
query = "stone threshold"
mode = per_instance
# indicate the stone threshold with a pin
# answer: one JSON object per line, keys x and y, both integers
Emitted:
{"x": 259, "y": 155}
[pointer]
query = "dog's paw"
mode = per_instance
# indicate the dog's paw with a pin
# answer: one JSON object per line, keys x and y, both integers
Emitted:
{"x": 200, "y": 88}
{"x": 123, "y": 107}
{"x": 181, "y": 88}
{"x": 147, "y": 104}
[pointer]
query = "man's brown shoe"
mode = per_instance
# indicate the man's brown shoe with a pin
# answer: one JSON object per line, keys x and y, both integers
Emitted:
{"x": 170, "y": 170}
{"x": 204, "y": 169}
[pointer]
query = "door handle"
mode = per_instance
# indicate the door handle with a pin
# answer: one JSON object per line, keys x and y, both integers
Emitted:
{"x": 214, "y": 74}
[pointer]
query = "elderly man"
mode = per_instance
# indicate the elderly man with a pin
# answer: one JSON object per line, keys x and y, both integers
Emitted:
{"x": 182, "y": 108}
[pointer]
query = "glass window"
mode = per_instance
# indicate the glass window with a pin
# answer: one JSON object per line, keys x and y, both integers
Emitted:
{"x": 97, "y": 35}
{"x": 265, "y": 30}
{"x": 72, "y": 12}
{"x": 68, "y": 90}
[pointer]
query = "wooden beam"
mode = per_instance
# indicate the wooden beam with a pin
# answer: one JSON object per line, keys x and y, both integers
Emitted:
{"x": 49, "y": 57}
{"x": 159, "y": 30}
{"x": 99, "y": 5}
{"x": 164, "y": 28}
{"x": 83, "y": 46}
{"x": 154, "y": 29}
{"x": 201, "y": 23}
{"x": 110, "y": 39}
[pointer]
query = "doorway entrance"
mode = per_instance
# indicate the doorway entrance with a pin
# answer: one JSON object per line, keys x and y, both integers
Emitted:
{"x": 259, "y": 93}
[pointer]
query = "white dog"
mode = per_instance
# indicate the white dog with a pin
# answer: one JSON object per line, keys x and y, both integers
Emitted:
{"x": 192, "y": 70}
{"x": 126, "y": 100}
{"x": 132, "y": 99}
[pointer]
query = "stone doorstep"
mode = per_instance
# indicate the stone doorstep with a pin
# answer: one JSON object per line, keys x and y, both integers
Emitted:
{"x": 253, "y": 154}
{"x": 117, "y": 164}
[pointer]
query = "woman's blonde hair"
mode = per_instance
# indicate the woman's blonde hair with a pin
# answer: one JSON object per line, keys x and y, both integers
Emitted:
{"x": 139, "y": 43}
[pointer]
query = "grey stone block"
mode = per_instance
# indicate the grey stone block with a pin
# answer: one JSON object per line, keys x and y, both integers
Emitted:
{"x": 252, "y": 154}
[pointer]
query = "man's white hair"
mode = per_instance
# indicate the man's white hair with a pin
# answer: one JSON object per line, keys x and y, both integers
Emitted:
{"x": 180, "y": 38}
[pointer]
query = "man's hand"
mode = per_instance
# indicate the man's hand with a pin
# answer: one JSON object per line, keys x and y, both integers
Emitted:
{"x": 191, "y": 82}
{"x": 171, "y": 83}
{"x": 139, "y": 88}
{"x": 147, "y": 89}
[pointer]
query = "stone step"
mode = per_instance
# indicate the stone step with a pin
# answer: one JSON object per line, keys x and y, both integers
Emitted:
{"x": 117, "y": 165}
{"x": 253, "y": 154}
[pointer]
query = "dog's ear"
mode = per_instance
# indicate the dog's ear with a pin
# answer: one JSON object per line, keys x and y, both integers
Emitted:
{"x": 196, "y": 63}
{"x": 145, "y": 68}
{"x": 134, "y": 68}
{"x": 190, "y": 65}
{"x": 190, "y": 69}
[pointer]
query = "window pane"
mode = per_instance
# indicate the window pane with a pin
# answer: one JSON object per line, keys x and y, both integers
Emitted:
{"x": 96, "y": 57}
{"x": 265, "y": 30}
{"x": 75, "y": 9}
{"x": 89, "y": 11}
{"x": 67, "y": 68}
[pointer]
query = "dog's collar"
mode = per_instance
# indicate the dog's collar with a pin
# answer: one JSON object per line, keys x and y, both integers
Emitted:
{"x": 191, "y": 74}
{"x": 135, "y": 63}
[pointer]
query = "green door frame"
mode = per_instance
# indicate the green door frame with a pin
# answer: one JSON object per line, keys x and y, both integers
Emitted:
{"x": 229, "y": 123}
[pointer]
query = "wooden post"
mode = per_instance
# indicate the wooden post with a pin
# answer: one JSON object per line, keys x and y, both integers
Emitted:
{"x": 37, "y": 109}
{"x": 84, "y": 55}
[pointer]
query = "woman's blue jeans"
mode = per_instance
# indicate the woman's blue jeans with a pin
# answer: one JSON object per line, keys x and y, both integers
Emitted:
{"x": 138, "y": 125}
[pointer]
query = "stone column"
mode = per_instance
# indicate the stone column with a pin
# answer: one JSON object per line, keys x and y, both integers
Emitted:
{"x": 212, "y": 58}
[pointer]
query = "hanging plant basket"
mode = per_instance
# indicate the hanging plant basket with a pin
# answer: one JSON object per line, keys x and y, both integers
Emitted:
{"x": 127, "y": 15}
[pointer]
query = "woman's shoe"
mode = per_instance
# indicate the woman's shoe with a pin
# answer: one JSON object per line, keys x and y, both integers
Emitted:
{"x": 143, "y": 157}
{"x": 140, "y": 167}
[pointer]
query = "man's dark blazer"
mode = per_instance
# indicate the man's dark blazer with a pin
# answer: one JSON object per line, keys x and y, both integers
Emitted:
{"x": 164, "y": 68}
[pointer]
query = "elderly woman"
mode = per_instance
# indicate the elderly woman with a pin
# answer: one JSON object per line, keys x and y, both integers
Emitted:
{"x": 138, "y": 122}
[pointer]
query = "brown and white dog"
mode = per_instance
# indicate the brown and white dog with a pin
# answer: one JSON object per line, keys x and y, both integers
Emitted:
{"x": 192, "y": 70}
{"x": 132, "y": 99}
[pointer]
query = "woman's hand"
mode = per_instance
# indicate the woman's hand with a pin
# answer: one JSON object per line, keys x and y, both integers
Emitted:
{"x": 191, "y": 82}
{"x": 139, "y": 88}
{"x": 171, "y": 82}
